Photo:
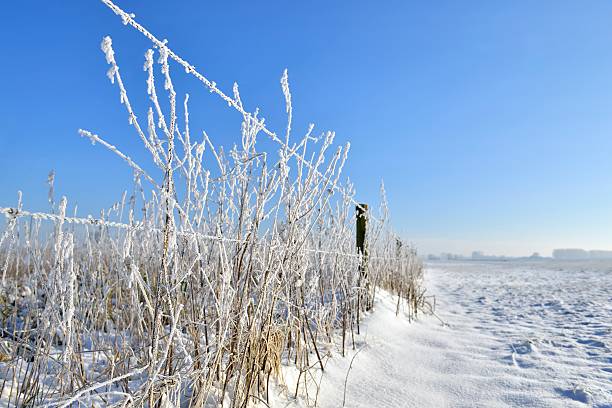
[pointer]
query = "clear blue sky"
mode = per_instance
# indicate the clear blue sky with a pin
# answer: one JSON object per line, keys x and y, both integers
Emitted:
{"x": 489, "y": 121}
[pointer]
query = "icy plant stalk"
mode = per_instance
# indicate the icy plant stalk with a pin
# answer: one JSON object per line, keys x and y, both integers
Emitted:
{"x": 69, "y": 306}
{"x": 233, "y": 267}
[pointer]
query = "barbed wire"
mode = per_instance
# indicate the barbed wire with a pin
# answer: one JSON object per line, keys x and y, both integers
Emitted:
{"x": 10, "y": 212}
{"x": 129, "y": 19}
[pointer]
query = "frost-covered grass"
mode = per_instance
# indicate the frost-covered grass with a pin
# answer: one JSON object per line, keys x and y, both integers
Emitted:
{"x": 201, "y": 286}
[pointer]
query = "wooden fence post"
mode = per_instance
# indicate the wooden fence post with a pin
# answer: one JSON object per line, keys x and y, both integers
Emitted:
{"x": 361, "y": 223}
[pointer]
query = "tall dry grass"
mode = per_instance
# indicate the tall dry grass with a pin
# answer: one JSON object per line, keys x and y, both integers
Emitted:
{"x": 199, "y": 287}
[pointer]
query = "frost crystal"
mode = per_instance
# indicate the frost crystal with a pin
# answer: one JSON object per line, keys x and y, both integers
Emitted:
{"x": 148, "y": 60}
{"x": 111, "y": 73}
{"x": 285, "y": 87}
{"x": 125, "y": 18}
{"x": 148, "y": 66}
{"x": 107, "y": 48}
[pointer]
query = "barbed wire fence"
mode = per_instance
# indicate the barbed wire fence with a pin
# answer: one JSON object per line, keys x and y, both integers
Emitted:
{"x": 228, "y": 278}
{"x": 13, "y": 213}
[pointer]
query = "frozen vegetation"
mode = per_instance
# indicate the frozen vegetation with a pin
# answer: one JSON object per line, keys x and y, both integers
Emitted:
{"x": 219, "y": 273}
{"x": 230, "y": 277}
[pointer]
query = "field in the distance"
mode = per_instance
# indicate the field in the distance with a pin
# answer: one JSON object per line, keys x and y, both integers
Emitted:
{"x": 541, "y": 331}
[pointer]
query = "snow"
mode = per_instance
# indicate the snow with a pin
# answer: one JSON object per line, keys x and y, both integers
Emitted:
{"x": 517, "y": 334}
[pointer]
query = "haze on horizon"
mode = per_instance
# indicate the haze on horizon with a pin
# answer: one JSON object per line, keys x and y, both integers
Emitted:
{"x": 510, "y": 249}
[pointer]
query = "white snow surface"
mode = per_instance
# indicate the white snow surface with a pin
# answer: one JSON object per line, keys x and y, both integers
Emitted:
{"x": 517, "y": 334}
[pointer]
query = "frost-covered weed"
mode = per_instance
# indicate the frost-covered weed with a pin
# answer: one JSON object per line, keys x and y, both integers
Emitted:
{"x": 218, "y": 277}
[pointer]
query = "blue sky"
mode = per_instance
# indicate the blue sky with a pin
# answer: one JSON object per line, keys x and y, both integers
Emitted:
{"x": 489, "y": 121}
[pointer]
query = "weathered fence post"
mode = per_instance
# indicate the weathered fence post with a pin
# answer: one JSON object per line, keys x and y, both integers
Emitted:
{"x": 360, "y": 241}
{"x": 361, "y": 223}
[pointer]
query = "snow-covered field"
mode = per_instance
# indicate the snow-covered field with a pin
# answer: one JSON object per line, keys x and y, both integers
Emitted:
{"x": 517, "y": 334}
